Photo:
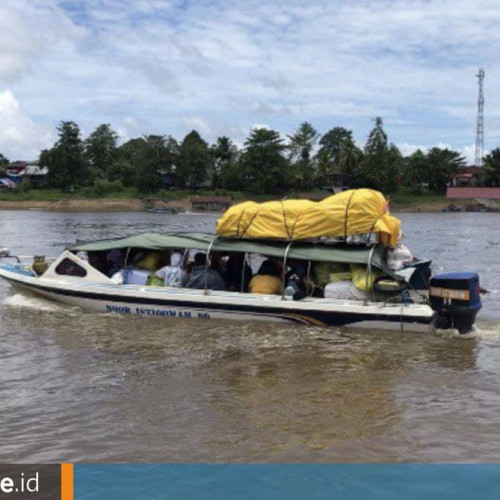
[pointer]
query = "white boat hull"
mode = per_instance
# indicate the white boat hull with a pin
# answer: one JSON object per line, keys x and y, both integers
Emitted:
{"x": 196, "y": 304}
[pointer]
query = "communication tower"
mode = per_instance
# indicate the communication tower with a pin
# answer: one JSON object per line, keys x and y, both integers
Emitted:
{"x": 480, "y": 120}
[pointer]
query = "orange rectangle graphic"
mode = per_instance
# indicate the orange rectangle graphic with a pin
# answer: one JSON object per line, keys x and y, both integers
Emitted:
{"x": 448, "y": 293}
{"x": 67, "y": 482}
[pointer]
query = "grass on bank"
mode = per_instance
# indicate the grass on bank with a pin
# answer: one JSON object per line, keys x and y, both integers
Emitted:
{"x": 403, "y": 198}
{"x": 86, "y": 193}
{"x": 407, "y": 198}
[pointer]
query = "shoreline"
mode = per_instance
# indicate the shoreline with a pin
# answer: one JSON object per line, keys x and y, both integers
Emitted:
{"x": 75, "y": 205}
{"x": 136, "y": 205}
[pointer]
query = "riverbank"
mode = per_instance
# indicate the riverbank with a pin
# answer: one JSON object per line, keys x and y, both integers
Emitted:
{"x": 75, "y": 205}
{"x": 428, "y": 207}
{"x": 135, "y": 205}
{"x": 86, "y": 205}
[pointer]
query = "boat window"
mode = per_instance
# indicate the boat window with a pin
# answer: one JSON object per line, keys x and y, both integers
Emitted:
{"x": 67, "y": 267}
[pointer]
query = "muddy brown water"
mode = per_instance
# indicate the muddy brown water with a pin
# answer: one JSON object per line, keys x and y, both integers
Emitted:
{"x": 76, "y": 386}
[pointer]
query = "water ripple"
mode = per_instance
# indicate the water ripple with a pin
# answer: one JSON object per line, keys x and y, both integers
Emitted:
{"x": 77, "y": 386}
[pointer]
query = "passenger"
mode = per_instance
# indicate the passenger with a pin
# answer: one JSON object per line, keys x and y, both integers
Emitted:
{"x": 152, "y": 261}
{"x": 279, "y": 267}
{"x": 300, "y": 283}
{"x": 69, "y": 268}
{"x": 236, "y": 269}
{"x": 297, "y": 268}
{"x": 202, "y": 276}
{"x": 266, "y": 280}
{"x": 97, "y": 261}
{"x": 173, "y": 274}
{"x": 216, "y": 262}
{"x": 187, "y": 265}
{"x": 114, "y": 261}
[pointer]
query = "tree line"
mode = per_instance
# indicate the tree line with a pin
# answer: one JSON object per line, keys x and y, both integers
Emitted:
{"x": 266, "y": 164}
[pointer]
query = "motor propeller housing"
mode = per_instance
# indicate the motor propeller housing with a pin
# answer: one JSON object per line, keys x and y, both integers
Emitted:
{"x": 456, "y": 299}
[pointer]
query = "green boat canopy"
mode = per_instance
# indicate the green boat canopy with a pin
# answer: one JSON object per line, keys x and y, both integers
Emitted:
{"x": 317, "y": 252}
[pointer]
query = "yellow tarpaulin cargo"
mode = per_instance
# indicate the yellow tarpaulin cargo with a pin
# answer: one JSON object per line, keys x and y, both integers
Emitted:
{"x": 357, "y": 211}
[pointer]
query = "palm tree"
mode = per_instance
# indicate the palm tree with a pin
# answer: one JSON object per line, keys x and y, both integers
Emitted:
{"x": 349, "y": 160}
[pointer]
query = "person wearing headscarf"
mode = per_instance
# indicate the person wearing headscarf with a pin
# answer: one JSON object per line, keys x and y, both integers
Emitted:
{"x": 115, "y": 261}
{"x": 266, "y": 280}
{"x": 238, "y": 273}
{"x": 173, "y": 274}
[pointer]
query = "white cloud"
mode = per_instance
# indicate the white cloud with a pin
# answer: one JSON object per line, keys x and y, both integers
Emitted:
{"x": 20, "y": 137}
{"x": 28, "y": 31}
{"x": 408, "y": 149}
{"x": 468, "y": 152}
{"x": 259, "y": 125}
{"x": 195, "y": 123}
{"x": 220, "y": 66}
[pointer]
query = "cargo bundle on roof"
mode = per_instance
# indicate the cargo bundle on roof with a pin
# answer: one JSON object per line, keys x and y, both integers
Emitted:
{"x": 350, "y": 213}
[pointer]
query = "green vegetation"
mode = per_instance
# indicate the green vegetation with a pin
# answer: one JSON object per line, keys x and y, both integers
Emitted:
{"x": 267, "y": 166}
{"x": 66, "y": 160}
{"x": 403, "y": 199}
{"x": 406, "y": 198}
{"x": 19, "y": 194}
{"x": 194, "y": 161}
{"x": 492, "y": 168}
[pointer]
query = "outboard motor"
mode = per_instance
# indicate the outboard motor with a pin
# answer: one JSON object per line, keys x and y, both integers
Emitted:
{"x": 456, "y": 300}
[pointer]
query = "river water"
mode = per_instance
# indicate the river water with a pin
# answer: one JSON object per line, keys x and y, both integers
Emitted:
{"x": 76, "y": 386}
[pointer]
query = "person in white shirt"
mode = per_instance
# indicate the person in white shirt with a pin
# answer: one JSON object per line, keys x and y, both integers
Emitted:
{"x": 173, "y": 274}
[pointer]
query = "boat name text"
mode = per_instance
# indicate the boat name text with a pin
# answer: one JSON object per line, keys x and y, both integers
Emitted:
{"x": 148, "y": 311}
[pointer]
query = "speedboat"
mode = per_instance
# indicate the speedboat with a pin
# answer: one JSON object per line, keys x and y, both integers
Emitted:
{"x": 400, "y": 302}
{"x": 352, "y": 228}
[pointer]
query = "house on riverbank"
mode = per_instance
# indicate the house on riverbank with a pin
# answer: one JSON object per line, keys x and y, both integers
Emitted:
{"x": 467, "y": 177}
{"x": 21, "y": 171}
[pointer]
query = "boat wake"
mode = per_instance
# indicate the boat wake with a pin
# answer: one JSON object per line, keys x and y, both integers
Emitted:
{"x": 21, "y": 300}
{"x": 488, "y": 330}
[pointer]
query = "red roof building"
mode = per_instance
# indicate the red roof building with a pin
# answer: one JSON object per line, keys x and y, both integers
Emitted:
{"x": 470, "y": 192}
{"x": 469, "y": 176}
{"x": 482, "y": 196}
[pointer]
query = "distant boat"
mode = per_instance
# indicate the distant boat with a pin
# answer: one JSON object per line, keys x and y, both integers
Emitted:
{"x": 158, "y": 205}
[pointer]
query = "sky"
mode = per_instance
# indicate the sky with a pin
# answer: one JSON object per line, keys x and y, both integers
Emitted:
{"x": 223, "y": 67}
